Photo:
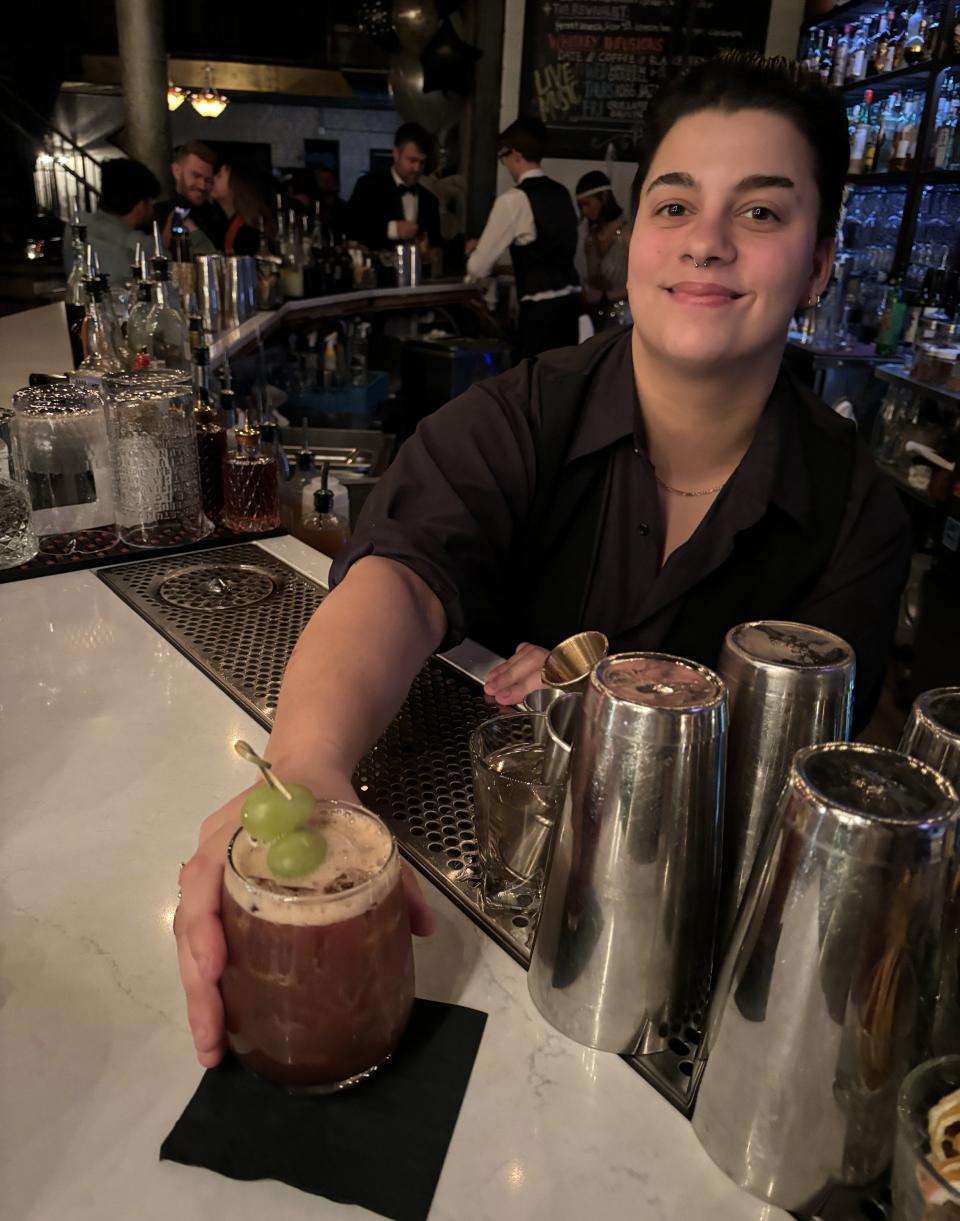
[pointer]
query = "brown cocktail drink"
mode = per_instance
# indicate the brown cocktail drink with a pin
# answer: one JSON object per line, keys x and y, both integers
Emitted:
{"x": 318, "y": 985}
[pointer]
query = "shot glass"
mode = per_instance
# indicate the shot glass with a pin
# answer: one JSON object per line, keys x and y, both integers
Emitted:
{"x": 926, "y": 1187}
{"x": 514, "y": 808}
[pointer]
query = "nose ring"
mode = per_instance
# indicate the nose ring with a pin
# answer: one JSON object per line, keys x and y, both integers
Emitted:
{"x": 707, "y": 260}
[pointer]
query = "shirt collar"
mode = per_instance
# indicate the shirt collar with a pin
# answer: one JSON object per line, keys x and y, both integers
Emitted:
{"x": 772, "y": 471}
{"x": 530, "y": 174}
{"x": 399, "y": 181}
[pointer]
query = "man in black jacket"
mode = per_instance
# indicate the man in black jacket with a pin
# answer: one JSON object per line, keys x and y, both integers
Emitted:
{"x": 386, "y": 208}
{"x": 538, "y": 222}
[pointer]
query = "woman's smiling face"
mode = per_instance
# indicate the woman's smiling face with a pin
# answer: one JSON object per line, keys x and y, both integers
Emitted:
{"x": 735, "y": 191}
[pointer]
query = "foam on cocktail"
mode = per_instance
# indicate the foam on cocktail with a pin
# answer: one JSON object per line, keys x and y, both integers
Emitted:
{"x": 359, "y": 870}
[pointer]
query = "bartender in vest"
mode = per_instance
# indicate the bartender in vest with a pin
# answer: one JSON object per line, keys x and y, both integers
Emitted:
{"x": 660, "y": 483}
{"x": 536, "y": 219}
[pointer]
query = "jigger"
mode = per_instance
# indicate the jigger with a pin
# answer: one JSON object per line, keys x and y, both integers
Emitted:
{"x": 825, "y": 999}
{"x": 568, "y": 666}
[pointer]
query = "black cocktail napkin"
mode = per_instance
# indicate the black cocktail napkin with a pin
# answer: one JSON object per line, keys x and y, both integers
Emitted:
{"x": 380, "y": 1144}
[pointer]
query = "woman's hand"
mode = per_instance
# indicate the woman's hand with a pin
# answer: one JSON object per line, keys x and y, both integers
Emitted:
{"x": 201, "y": 948}
{"x": 517, "y": 677}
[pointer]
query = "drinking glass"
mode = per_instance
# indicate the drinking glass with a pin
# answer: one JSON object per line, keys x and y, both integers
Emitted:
{"x": 514, "y": 809}
{"x": 60, "y": 453}
{"x": 156, "y": 468}
{"x": 318, "y": 985}
{"x": 18, "y": 542}
{"x": 921, "y": 1192}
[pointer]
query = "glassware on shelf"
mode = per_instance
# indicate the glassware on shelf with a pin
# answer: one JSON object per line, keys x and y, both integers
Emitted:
{"x": 18, "y": 542}
{"x": 156, "y": 468}
{"x": 60, "y": 452}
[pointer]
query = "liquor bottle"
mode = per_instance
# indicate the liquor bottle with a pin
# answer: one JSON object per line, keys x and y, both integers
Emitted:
{"x": 873, "y": 140}
{"x": 812, "y": 49}
{"x": 861, "y": 132}
{"x": 898, "y": 26}
{"x": 838, "y": 73}
{"x": 228, "y": 410}
{"x": 211, "y": 437}
{"x": 827, "y": 50}
{"x": 878, "y": 49}
{"x": 250, "y": 492}
{"x": 892, "y": 316}
{"x": 857, "y": 59}
{"x": 291, "y": 252}
{"x": 137, "y": 324}
{"x": 890, "y": 120}
{"x": 75, "y": 290}
{"x": 117, "y": 337}
{"x": 915, "y": 45}
{"x": 945, "y": 135}
{"x": 906, "y": 151}
{"x": 908, "y": 33}
{"x": 99, "y": 354}
{"x": 167, "y": 341}
{"x": 324, "y": 530}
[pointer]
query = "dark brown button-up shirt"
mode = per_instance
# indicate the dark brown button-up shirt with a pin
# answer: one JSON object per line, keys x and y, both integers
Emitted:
{"x": 453, "y": 504}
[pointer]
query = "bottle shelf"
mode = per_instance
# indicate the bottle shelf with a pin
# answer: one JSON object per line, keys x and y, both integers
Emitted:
{"x": 889, "y": 178}
{"x": 883, "y": 83}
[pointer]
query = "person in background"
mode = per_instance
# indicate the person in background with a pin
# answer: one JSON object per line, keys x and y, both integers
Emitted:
{"x": 127, "y": 192}
{"x": 392, "y": 206}
{"x": 604, "y": 252}
{"x": 239, "y": 195}
{"x": 537, "y": 221}
{"x": 190, "y": 208}
{"x": 333, "y": 209}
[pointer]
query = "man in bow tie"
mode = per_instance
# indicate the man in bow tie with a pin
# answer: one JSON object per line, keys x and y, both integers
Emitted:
{"x": 392, "y": 206}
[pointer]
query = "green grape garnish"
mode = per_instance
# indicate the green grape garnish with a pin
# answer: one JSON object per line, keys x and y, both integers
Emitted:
{"x": 267, "y": 814}
{"x": 296, "y": 853}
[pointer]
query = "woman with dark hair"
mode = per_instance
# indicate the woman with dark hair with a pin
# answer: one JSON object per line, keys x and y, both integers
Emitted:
{"x": 241, "y": 197}
{"x": 605, "y": 250}
{"x": 661, "y": 483}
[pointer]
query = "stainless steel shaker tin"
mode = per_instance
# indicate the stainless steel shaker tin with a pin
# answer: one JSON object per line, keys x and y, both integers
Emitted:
{"x": 932, "y": 731}
{"x": 790, "y": 685}
{"x": 625, "y": 939}
{"x": 826, "y": 995}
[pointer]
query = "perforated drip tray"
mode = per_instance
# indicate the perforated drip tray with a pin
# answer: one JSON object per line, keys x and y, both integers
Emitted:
{"x": 237, "y": 612}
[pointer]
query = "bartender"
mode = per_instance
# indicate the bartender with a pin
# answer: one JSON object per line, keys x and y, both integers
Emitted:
{"x": 392, "y": 206}
{"x": 536, "y": 221}
{"x": 660, "y": 483}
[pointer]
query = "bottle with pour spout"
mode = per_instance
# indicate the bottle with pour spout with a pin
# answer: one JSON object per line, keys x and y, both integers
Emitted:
{"x": 324, "y": 530}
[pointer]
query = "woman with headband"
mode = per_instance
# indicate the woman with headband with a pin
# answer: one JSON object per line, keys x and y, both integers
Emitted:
{"x": 605, "y": 251}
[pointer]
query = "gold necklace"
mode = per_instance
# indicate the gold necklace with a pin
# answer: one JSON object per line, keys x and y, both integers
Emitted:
{"x": 679, "y": 492}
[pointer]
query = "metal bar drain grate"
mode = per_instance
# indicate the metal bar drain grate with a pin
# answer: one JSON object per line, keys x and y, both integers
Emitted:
{"x": 237, "y": 612}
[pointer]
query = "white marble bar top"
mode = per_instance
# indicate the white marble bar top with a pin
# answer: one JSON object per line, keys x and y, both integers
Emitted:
{"x": 112, "y": 748}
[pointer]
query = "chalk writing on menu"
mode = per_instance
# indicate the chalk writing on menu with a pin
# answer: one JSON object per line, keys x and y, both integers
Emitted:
{"x": 590, "y": 67}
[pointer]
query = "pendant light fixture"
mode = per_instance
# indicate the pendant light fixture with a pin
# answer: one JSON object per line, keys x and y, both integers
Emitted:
{"x": 208, "y": 103}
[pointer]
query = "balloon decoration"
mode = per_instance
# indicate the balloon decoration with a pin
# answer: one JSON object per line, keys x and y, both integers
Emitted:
{"x": 448, "y": 62}
{"x": 414, "y": 22}
{"x": 432, "y": 111}
{"x": 374, "y": 19}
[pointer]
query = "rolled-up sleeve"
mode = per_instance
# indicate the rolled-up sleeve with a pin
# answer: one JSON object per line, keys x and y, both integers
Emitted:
{"x": 450, "y": 505}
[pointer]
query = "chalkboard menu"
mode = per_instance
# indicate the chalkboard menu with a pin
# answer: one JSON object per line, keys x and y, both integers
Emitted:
{"x": 591, "y": 66}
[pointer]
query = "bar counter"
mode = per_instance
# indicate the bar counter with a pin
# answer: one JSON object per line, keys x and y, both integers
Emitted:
{"x": 114, "y": 747}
